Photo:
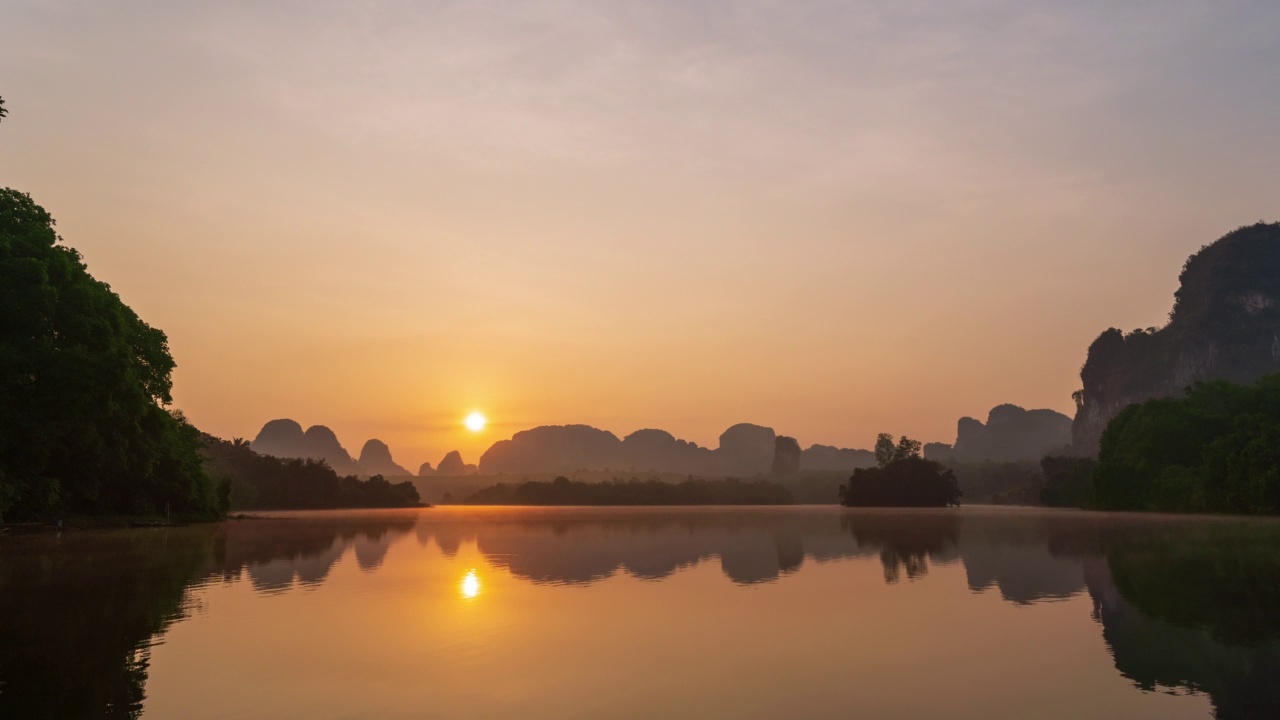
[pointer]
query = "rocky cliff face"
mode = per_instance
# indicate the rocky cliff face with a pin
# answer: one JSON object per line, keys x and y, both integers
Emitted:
{"x": 786, "y": 456}
{"x": 1225, "y": 325}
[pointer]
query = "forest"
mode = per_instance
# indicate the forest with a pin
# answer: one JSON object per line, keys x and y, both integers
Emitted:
{"x": 1215, "y": 450}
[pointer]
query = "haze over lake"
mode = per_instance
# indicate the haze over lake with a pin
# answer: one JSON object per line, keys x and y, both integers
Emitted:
{"x": 640, "y": 613}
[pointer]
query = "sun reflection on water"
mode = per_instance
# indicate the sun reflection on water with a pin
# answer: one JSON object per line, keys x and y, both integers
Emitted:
{"x": 470, "y": 584}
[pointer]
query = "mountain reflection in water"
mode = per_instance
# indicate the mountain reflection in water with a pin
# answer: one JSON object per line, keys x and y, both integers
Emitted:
{"x": 1184, "y": 605}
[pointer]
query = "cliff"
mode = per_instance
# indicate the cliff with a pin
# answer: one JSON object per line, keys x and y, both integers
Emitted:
{"x": 1225, "y": 325}
{"x": 1011, "y": 434}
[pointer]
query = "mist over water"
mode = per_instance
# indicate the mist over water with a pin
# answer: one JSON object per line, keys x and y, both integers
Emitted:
{"x": 625, "y": 612}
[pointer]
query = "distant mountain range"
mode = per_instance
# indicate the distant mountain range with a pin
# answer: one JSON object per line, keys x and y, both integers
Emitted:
{"x": 744, "y": 450}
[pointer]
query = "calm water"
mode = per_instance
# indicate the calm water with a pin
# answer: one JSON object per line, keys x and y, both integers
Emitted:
{"x": 646, "y": 613}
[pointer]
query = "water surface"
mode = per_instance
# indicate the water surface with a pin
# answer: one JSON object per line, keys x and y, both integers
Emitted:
{"x": 642, "y": 613}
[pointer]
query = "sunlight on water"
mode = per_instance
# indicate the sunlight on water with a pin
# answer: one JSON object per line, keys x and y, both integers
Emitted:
{"x": 640, "y": 613}
{"x": 470, "y": 584}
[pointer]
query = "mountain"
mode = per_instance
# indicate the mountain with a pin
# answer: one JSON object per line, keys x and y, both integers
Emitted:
{"x": 826, "y": 457}
{"x": 375, "y": 459}
{"x": 284, "y": 438}
{"x": 786, "y": 456}
{"x": 1010, "y": 434}
{"x": 425, "y": 470}
{"x": 745, "y": 450}
{"x": 453, "y": 466}
{"x": 1225, "y": 325}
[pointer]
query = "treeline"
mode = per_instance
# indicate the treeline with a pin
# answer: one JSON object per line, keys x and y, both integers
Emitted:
{"x": 84, "y": 390}
{"x": 263, "y": 482}
{"x": 563, "y": 491}
{"x": 1215, "y": 450}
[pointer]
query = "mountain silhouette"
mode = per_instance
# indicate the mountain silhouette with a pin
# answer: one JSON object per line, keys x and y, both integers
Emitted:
{"x": 745, "y": 450}
{"x": 1011, "y": 434}
{"x": 284, "y": 438}
{"x": 375, "y": 459}
{"x": 1225, "y": 325}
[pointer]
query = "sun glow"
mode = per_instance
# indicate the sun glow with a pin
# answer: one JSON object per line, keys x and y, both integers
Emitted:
{"x": 475, "y": 422}
{"x": 470, "y": 585}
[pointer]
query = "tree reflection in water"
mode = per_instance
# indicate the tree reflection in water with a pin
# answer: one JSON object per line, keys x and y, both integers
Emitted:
{"x": 1182, "y": 603}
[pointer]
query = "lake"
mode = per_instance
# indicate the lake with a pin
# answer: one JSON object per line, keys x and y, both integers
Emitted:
{"x": 804, "y": 612}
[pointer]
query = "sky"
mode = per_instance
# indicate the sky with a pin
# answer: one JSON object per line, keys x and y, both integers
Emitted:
{"x": 831, "y": 218}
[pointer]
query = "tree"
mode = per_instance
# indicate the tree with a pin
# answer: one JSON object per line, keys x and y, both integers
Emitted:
{"x": 3, "y": 112}
{"x": 887, "y": 451}
{"x": 903, "y": 479}
{"x": 84, "y": 385}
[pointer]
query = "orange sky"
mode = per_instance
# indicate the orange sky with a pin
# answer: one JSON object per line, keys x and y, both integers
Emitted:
{"x": 832, "y": 219}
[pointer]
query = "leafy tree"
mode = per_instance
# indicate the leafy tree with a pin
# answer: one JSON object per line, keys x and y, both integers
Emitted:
{"x": 1216, "y": 450}
{"x": 3, "y": 112}
{"x": 84, "y": 385}
{"x": 902, "y": 479}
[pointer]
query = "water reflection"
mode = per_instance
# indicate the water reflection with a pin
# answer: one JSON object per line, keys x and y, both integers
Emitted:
{"x": 1183, "y": 604}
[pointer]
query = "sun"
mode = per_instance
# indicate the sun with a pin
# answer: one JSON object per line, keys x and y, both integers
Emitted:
{"x": 475, "y": 422}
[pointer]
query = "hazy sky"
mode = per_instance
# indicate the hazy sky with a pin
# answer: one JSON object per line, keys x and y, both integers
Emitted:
{"x": 833, "y": 218}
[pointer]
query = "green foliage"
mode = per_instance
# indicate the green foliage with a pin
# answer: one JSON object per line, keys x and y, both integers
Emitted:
{"x": 83, "y": 387}
{"x": 563, "y": 491}
{"x": 1216, "y": 450}
{"x": 1066, "y": 481}
{"x": 264, "y": 482}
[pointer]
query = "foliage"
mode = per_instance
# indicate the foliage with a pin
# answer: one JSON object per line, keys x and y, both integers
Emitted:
{"x": 83, "y": 387}
{"x": 3, "y": 111}
{"x": 266, "y": 482}
{"x": 887, "y": 451}
{"x": 903, "y": 479}
{"x": 1066, "y": 481}
{"x": 1216, "y": 450}
{"x": 563, "y": 491}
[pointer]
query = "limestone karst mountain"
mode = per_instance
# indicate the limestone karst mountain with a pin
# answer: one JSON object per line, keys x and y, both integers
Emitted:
{"x": 375, "y": 459}
{"x": 1010, "y": 434}
{"x": 786, "y": 456}
{"x": 284, "y": 438}
{"x": 1225, "y": 325}
{"x": 453, "y": 466}
{"x": 425, "y": 470}
{"x": 745, "y": 450}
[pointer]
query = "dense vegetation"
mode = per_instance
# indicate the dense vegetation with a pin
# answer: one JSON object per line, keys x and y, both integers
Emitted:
{"x": 266, "y": 482}
{"x": 84, "y": 385}
{"x": 1066, "y": 481}
{"x": 563, "y": 491}
{"x": 1216, "y": 450}
{"x": 902, "y": 479}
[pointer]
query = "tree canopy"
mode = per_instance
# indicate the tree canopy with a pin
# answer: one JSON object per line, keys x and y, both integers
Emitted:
{"x": 84, "y": 390}
{"x": 1215, "y": 450}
